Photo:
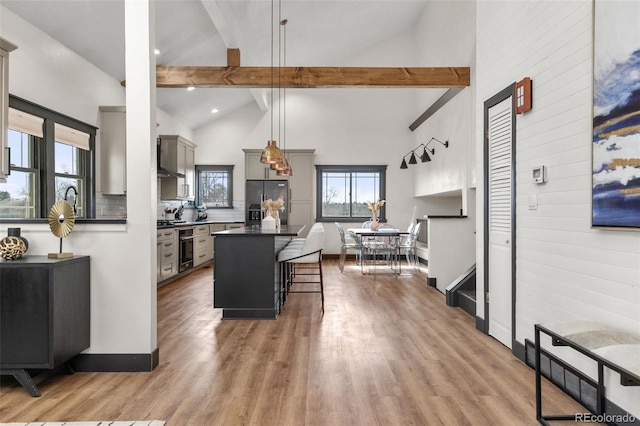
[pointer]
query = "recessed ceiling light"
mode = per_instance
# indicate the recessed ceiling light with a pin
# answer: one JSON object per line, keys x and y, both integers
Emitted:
{"x": 190, "y": 88}
{"x": 215, "y": 110}
{"x": 156, "y": 51}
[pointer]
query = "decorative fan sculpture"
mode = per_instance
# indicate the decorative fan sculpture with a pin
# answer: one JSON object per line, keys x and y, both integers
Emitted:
{"x": 61, "y": 220}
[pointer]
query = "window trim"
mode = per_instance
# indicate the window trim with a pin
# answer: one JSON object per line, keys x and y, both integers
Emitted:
{"x": 214, "y": 168}
{"x": 320, "y": 169}
{"x": 47, "y": 193}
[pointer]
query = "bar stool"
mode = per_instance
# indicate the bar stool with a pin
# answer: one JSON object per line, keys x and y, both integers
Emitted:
{"x": 305, "y": 257}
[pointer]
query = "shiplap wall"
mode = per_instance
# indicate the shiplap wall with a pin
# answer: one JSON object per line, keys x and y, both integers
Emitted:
{"x": 565, "y": 270}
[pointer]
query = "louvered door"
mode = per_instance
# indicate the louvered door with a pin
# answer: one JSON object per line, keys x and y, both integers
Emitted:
{"x": 500, "y": 223}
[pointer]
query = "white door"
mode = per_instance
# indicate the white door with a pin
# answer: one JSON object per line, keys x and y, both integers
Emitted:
{"x": 500, "y": 274}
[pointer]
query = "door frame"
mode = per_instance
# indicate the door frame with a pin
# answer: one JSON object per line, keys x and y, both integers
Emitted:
{"x": 488, "y": 104}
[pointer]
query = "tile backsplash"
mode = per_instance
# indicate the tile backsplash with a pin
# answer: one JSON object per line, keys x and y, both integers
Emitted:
{"x": 236, "y": 214}
{"x": 115, "y": 207}
{"x": 111, "y": 206}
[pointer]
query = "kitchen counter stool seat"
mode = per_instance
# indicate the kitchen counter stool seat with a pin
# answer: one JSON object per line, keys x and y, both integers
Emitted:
{"x": 307, "y": 257}
{"x": 299, "y": 242}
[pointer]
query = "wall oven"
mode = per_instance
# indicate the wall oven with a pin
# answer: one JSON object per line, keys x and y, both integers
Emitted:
{"x": 185, "y": 244}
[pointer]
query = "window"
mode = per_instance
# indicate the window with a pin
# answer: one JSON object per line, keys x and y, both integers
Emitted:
{"x": 343, "y": 192}
{"x": 49, "y": 153}
{"x": 214, "y": 186}
{"x": 18, "y": 197}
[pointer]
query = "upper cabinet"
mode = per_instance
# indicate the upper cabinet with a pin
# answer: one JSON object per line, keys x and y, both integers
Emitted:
{"x": 177, "y": 155}
{"x": 5, "y": 48}
{"x": 113, "y": 152}
{"x": 254, "y": 169}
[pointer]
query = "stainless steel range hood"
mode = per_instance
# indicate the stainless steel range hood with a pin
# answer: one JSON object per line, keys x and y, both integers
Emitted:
{"x": 162, "y": 171}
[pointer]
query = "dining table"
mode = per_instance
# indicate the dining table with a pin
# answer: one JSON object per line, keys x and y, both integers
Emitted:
{"x": 380, "y": 240}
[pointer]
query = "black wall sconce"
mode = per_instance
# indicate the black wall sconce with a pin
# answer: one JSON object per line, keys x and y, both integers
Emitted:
{"x": 424, "y": 157}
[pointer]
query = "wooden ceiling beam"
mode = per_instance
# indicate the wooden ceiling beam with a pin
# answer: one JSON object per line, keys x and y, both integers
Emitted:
{"x": 311, "y": 77}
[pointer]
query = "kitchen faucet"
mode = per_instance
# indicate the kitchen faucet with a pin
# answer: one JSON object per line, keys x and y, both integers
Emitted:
{"x": 75, "y": 197}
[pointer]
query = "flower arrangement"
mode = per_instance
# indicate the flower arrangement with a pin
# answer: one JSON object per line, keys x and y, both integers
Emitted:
{"x": 375, "y": 207}
{"x": 271, "y": 205}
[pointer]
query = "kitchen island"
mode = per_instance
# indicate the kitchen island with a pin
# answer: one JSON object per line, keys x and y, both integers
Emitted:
{"x": 246, "y": 275}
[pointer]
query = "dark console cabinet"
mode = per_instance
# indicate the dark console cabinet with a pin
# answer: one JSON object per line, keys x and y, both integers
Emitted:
{"x": 44, "y": 315}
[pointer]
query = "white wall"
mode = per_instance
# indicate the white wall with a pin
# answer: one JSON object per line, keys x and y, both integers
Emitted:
{"x": 448, "y": 260}
{"x": 122, "y": 280}
{"x": 564, "y": 269}
{"x": 448, "y": 169}
{"x": 446, "y": 37}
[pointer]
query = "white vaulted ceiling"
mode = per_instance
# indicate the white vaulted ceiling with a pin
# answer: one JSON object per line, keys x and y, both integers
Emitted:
{"x": 198, "y": 32}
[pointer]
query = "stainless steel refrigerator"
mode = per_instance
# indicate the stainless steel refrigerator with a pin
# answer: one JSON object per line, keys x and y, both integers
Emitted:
{"x": 258, "y": 191}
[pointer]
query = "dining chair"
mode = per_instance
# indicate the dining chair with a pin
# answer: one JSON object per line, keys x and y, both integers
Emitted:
{"x": 409, "y": 245}
{"x": 348, "y": 242}
{"x": 384, "y": 247}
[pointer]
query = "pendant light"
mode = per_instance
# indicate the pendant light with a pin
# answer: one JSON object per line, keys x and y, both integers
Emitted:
{"x": 286, "y": 169}
{"x": 282, "y": 165}
{"x": 271, "y": 153}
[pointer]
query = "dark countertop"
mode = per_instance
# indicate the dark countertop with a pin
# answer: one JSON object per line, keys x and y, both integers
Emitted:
{"x": 196, "y": 223}
{"x": 256, "y": 230}
{"x": 443, "y": 217}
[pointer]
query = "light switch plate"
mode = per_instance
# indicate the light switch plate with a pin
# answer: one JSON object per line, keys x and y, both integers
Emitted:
{"x": 533, "y": 202}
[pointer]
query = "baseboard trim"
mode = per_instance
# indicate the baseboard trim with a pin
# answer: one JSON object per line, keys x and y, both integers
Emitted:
{"x": 481, "y": 325}
{"x": 116, "y": 363}
{"x": 431, "y": 282}
{"x": 518, "y": 350}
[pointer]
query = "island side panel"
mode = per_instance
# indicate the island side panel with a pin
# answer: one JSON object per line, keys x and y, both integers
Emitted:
{"x": 244, "y": 277}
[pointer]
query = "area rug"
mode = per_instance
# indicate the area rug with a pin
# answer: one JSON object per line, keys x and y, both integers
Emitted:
{"x": 103, "y": 423}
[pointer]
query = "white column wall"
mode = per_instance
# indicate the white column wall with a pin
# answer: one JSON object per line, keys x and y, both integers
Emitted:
{"x": 140, "y": 66}
{"x": 565, "y": 269}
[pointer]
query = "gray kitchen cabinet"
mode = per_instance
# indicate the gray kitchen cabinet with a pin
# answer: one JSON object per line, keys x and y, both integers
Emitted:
{"x": 113, "y": 152}
{"x": 302, "y": 188}
{"x": 202, "y": 245}
{"x": 180, "y": 157}
{"x": 159, "y": 257}
{"x": 301, "y": 213}
{"x": 168, "y": 241}
{"x": 215, "y": 227}
{"x": 254, "y": 169}
{"x": 5, "y": 48}
{"x": 233, "y": 225}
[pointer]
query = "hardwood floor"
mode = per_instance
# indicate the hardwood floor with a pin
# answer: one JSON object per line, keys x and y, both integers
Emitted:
{"x": 386, "y": 352}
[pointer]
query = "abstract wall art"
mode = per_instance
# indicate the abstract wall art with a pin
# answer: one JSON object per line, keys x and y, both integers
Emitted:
{"x": 616, "y": 115}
